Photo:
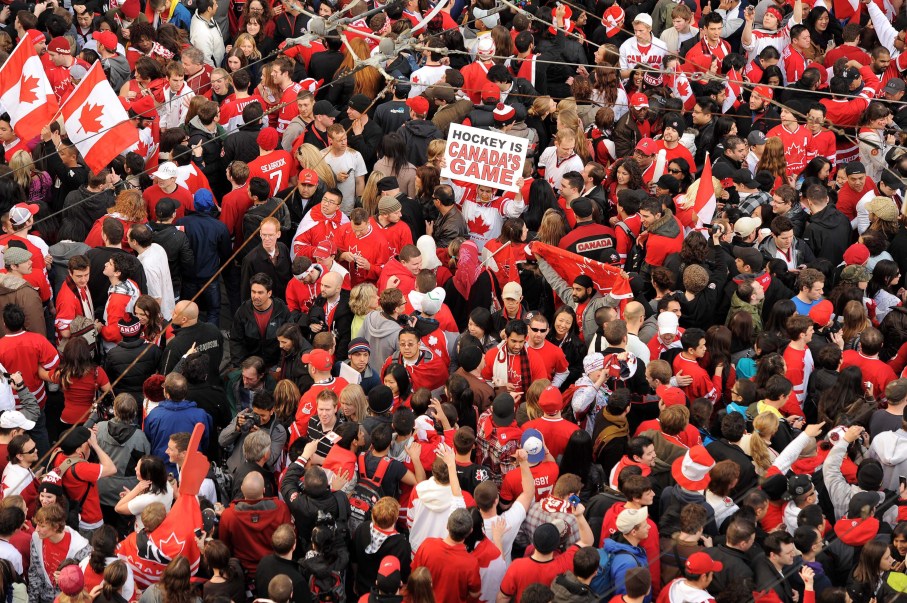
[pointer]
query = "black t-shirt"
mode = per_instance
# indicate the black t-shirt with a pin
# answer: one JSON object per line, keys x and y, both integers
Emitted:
{"x": 391, "y": 482}
{"x": 471, "y": 476}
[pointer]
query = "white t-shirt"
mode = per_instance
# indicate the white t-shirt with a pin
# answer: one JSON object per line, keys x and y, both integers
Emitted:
{"x": 11, "y": 554}
{"x": 652, "y": 55}
{"x": 138, "y": 504}
{"x": 424, "y": 77}
{"x": 351, "y": 160}
{"x": 514, "y": 516}
{"x": 157, "y": 275}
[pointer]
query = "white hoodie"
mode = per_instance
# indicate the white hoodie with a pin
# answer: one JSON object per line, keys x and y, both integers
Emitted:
{"x": 890, "y": 448}
{"x": 427, "y": 516}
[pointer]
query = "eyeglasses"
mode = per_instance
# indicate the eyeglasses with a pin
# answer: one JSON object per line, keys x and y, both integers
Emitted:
{"x": 536, "y": 330}
{"x": 32, "y": 451}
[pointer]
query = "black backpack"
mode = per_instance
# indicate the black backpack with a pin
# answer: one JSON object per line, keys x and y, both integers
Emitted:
{"x": 367, "y": 491}
{"x": 636, "y": 255}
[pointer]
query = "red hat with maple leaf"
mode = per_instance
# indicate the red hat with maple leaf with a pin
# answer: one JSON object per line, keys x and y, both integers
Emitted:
{"x": 308, "y": 177}
{"x": 144, "y": 106}
{"x": 647, "y": 146}
{"x": 613, "y": 19}
{"x": 130, "y": 9}
{"x": 764, "y": 92}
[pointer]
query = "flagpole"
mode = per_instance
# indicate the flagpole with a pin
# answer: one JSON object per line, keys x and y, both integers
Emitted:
{"x": 500, "y": 249}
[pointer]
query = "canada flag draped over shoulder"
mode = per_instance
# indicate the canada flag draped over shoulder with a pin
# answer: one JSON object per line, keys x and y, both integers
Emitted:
{"x": 26, "y": 92}
{"x": 96, "y": 121}
{"x": 607, "y": 278}
{"x": 148, "y": 553}
{"x": 705, "y": 203}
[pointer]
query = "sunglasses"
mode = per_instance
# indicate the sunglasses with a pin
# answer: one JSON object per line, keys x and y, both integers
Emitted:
{"x": 536, "y": 330}
{"x": 675, "y": 171}
{"x": 32, "y": 451}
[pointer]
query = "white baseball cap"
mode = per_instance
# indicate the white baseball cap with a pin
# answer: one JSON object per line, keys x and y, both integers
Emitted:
{"x": 13, "y": 419}
{"x": 643, "y": 18}
{"x": 165, "y": 170}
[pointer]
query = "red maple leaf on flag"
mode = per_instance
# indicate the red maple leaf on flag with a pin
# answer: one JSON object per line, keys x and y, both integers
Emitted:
{"x": 28, "y": 89}
{"x": 477, "y": 226}
{"x": 683, "y": 88}
{"x": 90, "y": 118}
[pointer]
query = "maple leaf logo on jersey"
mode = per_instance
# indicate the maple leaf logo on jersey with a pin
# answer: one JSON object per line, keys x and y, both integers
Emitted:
{"x": 28, "y": 89}
{"x": 90, "y": 118}
{"x": 477, "y": 226}
{"x": 432, "y": 340}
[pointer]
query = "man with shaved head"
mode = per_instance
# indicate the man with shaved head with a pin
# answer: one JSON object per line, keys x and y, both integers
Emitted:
{"x": 331, "y": 312}
{"x": 248, "y": 524}
{"x": 635, "y": 315}
{"x": 189, "y": 330}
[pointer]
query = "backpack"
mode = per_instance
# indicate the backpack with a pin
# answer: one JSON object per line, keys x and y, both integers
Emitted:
{"x": 636, "y": 255}
{"x": 496, "y": 449}
{"x": 223, "y": 483}
{"x": 367, "y": 491}
{"x": 74, "y": 511}
{"x": 328, "y": 589}
{"x": 601, "y": 583}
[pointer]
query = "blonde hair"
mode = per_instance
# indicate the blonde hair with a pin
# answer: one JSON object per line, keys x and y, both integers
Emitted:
{"x": 223, "y": 72}
{"x": 764, "y": 427}
{"x": 570, "y": 120}
{"x": 354, "y": 394}
{"x": 23, "y": 167}
{"x": 311, "y": 158}
{"x": 370, "y": 194}
{"x": 566, "y": 104}
{"x": 360, "y": 296}
{"x": 243, "y": 37}
{"x": 552, "y": 228}
{"x": 540, "y": 107}
{"x": 533, "y": 410}
{"x": 435, "y": 151}
{"x": 286, "y": 399}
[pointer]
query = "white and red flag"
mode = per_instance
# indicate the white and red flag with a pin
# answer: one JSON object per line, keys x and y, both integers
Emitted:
{"x": 705, "y": 203}
{"x": 96, "y": 121}
{"x": 607, "y": 278}
{"x": 26, "y": 92}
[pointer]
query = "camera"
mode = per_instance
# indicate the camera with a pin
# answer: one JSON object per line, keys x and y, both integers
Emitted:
{"x": 715, "y": 229}
{"x": 250, "y": 420}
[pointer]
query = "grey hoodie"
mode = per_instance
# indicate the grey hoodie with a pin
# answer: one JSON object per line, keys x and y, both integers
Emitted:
{"x": 890, "y": 448}
{"x": 125, "y": 444}
{"x": 118, "y": 71}
{"x": 381, "y": 333}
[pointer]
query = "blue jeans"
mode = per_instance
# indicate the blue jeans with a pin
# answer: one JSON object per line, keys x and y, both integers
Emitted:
{"x": 208, "y": 300}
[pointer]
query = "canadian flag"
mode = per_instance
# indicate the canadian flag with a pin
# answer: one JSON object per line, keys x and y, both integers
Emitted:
{"x": 680, "y": 84}
{"x": 705, "y": 203}
{"x": 607, "y": 279}
{"x": 26, "y": 92}
{"x": 734, "y": 91}
{"x": 96, "y": 121}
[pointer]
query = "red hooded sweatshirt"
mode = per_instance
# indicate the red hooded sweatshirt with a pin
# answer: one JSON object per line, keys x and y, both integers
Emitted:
{"x": 650, "y": 544}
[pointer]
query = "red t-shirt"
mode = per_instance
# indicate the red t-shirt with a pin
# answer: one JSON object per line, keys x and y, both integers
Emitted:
{"x": 874, "y": 370}
{"x": 526, "y": 571}
{"x": 544, "y": 474}
{"x": 155, "y": 193}
{"x": 75, "y": 481}
{"x": 515, "y": 367}
{"x": 690, "y": 436}
{"x": 702, "y": 386}
{"x": 556, "y": 432}
{"x": 54, "y": 553}
{"x": 233, "y": 208}
{"x": 553, "y": 358}
{"x": 454, "y": 572}
{"x": 25, "y": 352}
{"x": 79, "y": 396}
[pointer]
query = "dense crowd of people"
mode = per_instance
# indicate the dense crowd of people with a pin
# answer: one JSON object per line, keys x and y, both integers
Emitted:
{"x": 274, "y": 352}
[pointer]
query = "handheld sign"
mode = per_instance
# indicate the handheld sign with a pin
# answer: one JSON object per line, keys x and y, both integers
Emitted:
{"x": 484, "y": 157}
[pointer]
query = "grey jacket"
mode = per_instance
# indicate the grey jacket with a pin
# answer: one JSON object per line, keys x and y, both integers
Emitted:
{"x": 125, "y": 444}
{"x": 231, "y": 437}
{"x": 565, "y": 292}
{"x": 40, "y": 587}
{"x": 839, "y": 490}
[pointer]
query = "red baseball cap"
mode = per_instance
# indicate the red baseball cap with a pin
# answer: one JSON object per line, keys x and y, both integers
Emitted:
{"x": 638, "y": 100}
{"x": 419, "y": 104}
{"x": 700, "y": 563}
{"x": 491, "y": 92}
{"x": 130, "y": 9}
{"x": 61, "y": 45}
{"x": 107, "y": 39}
{"x": 551, "y": 400}
{"x": 320, "y": 360}
{"x": 36, "y": 36}
{"x": 671, "y": 396}
{"x": 647, "y": 146}
{"x": 308, "y": 177}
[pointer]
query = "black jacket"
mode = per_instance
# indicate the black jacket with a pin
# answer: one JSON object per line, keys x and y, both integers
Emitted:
{"x": 737, "y": 568}
{"x": 341, "y": 324}
{"x": 118, "y": 361}
{"x": 180, "y": 257}
{"x": 89, "y": 207}
{"x": 722, "y": 450}
{"x": 207, "y": 339}
{"x": 481, "y": 117}
{"x": 307, "y": 503}
{"x": 242, "y": 145}
{"x": 417, "y": 133}
{"x": 828, "y": 234}
{"x": 212, "y": 151}
{"x": 367, "y": 564}
{"x": 367, "y": 142}
{"x": 298, "y": 207}
{"x": 258, "y": 261}
{"x": 246, "y": 339}
{"x": 767, "y": 578}
{"x": 272, "y": 565}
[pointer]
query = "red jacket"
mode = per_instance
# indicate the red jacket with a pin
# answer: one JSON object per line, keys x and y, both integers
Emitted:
{"x": 662, "y": 239}
{"x": 246, "y": 526}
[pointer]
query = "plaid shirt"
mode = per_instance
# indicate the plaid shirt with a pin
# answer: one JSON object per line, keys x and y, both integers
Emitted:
{"x": 550, "y": 510}
{"x": 749, "y": 205}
